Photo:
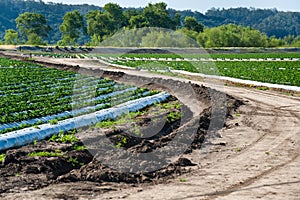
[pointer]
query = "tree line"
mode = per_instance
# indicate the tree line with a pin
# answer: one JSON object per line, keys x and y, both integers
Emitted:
{"x": 98, "y": 25}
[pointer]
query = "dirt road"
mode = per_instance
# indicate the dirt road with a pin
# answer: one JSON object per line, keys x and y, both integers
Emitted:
{"x": 259, "y": 161}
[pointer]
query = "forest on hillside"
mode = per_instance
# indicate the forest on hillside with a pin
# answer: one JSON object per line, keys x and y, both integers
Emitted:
{"x": 266, "y": 27}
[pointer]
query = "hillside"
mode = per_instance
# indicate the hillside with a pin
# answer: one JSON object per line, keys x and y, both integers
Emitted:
{"x": 270, "y": 21}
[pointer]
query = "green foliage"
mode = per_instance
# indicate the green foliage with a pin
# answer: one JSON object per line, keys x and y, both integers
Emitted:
{"x": 2, "y": 157}
{"x": 232, "y": 35}
{"x": 78, "y": 147}
{"x": 53, "y": 121}
{"x": 129, "y": 117}
{"x": 157, "y": 15}
{"x": 115, "y": 13}
{"x": 63, "y": 137}
{"x": 47, "y": 92}
{"x": 71, "y": 28}
{"x": 46, "y": 154}
{"x": 74, "y": 161}
{"x": 283, "y": 72}
{"x": 32, "y": 26}
{"x": 34, "y": 39}
{"x": 105, "y": 124}
{"x": 122, "y": 142}
{"x": 99, "y": 25}
{"x": 11, "y": 37}
{"x": 191, "y": 23}
{"x": 270, "y": 21}
{"x": 174, "y": 116}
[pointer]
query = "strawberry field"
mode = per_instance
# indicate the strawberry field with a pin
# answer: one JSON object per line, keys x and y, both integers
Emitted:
{"x": 271, "y": 70}
{"x": 35, "y": 95}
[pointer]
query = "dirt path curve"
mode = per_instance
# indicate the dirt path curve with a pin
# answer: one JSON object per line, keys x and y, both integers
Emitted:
{"x": 260, "y": 160}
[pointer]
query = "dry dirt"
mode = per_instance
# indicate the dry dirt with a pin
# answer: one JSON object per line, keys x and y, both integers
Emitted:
{"x": 256, "y": 158}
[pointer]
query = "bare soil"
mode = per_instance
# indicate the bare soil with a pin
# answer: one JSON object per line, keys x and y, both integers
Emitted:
{"x": 256, "y": 155}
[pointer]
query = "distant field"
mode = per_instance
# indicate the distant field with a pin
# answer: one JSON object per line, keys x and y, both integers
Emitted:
{"x": 286, "y": 71}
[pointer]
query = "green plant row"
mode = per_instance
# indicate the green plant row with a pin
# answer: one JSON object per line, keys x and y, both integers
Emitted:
{"x": 284, "y": 72}
{"x": 50, "y": 92}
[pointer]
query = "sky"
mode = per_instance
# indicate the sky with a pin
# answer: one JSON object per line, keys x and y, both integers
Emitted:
{"x": 201, "y": 6}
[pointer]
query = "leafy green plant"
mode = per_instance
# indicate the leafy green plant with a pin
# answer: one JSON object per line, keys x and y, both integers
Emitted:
{"x": 174, "y": 116}
{"x": 73, "y": 161}
{"x": 63, "y": 137}
{"x": 36, "y": 126}
{"x": 105, "y": 124}
{"x": 53, "y": 121}
{"x": 78, "y": 147}
{"x": 122, "y": 142}
{"x": 2, "y": 157}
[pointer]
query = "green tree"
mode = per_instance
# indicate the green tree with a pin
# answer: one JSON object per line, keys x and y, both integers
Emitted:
{"x": 99, "y": 26}
{"x": 157, "y": 15}
{"x": 191, "y": 23}
{"x": 11, "y": 37}
{"x": 275, "y": 42}
{"x": 232, "y": 35}
{"x": 296, "y": 42}
{"x": 32, "y": 23}
{"x": 115, "y": 12}
{"x": 128, "y": 14}
{"x": 34, "y": 39}
{"x": 177, "y": 20}
{"x": 138, "y": 21}
{"x": 71, "y": 28}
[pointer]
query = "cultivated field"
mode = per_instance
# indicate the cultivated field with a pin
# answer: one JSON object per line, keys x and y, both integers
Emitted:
{"x": 108, "y": 124}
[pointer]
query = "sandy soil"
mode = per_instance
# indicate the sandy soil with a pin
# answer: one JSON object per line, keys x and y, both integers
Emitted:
{"x": 258, "y": 157}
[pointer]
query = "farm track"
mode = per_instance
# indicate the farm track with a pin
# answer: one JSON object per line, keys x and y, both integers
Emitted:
{"x": 260, "y": 160}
